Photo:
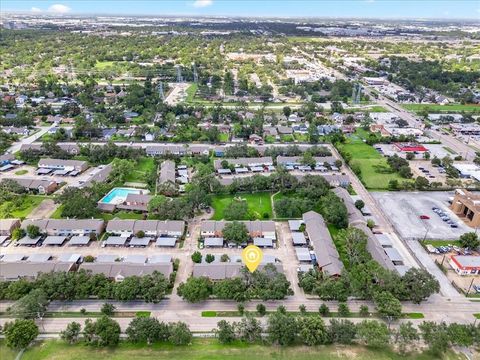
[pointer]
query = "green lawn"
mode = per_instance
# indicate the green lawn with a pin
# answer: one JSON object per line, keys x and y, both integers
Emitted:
{"x": 223, "y": 137}
{"x": 102, "y": 65}
{"x": 191, "y": 91}
{"x": 258, "y": 204}
{"x": 143, "y": 167}
{"x": 125, "y": 215}
{"x": 11, "y": 210}
{"x": 375, "y": 171}
{"x": 437, "y": 243}
{"x": 57, "y": 213}
{"x": 104, "y": 216}
{"x": 442, "y": 108}
{"x": 21, "y": 172}
{"x": 209, "y": 349}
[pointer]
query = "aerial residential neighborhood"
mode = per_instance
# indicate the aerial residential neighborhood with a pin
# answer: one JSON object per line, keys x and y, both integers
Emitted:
{"x": 147, "y": 148}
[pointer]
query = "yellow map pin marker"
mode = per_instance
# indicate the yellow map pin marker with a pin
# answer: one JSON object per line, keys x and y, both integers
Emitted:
{"x": 252, "y": 256}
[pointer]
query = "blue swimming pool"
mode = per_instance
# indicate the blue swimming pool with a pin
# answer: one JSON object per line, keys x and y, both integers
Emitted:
{"x": 118, "y": 195}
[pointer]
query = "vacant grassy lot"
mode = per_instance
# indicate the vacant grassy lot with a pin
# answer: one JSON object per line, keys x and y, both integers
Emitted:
{"x": 258, "y": 204}
{"x": 442, "y": 108}
{"x": 143, "y": 167}
{"x": 12, "y": 209}
{"x": 205, "y": 349}
{"x": 375, "y": 172}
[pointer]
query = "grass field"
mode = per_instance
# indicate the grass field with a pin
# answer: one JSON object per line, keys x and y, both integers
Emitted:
{"x": 143, "y": 167}
{"x": 21, "y": 172}
{"x": 191, "y": 91}
{"x": 375, "y": 172}
{"x": 207, "y": 349}
{"x": 258, "y": 204}
{"x": 442, "y": 108}
{"x": 102, "y": 65}
{"x": 10, "y": 210}
{"x": 437, "y": 243}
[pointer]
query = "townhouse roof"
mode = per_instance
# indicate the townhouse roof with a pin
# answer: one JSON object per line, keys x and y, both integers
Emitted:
{"x": 325, "y": 251}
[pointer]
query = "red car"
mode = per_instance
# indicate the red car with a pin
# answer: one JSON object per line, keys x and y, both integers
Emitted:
{"x": 424, "y": 217}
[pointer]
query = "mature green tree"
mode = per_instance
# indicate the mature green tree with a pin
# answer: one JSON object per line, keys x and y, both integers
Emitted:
{"x": 195, "y": 289}
{"x": 405, "y": 336}
{"x": 435, "y": 336}
{"x": 282, "y": 328}
{"x": 225, "y": 332}
{"x": 364, "y": 311}
{"x": 343, "y": 310}
{"x": 33, "y": 231}
{"x": 421, "y": 183}
{"x": 312, "y": 330}
{"x": 236, "y": 210}
{"x": 235, "y": 232}
{"x": 324, "y": 310}
{"x": 462, "y": 334}
{"x": 248, "y": 329}
{"x": 261, "y": 309}
{"x": 31, "y": 306}
{"x": 107, "y": 331}
{"x": 359, "y": 204}
{"x": 341, "y": 331}
{"x": 128, "y": 289}
{"x": 153, "y": 287}
{"x": 234, "y": 288}
{"x": 108, "y": 309}
{"x": 209, "y": 258}
{"x": 20, "y": 333}
{"x": 180, "y": 333}
{"x": 469, "y": 240}
{"x": 373, "y": 333}
{"x": 419, "y": 284}
{"x": 388, "y": 306}
{"x": 147, "y": 329}
{"x": 71, "y": 333}
{"x": 197, "y": 257}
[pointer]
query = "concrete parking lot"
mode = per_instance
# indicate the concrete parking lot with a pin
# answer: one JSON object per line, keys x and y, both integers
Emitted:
{"x": 404, "y": 210}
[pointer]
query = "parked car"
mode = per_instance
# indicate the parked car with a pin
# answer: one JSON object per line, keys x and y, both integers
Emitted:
{"x": 424, "y": 217}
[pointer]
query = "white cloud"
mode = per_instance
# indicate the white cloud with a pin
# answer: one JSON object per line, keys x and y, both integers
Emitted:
{"x": 202, "y": 3}
{"x": 35, "y": 10}
{"x": 59, "y": 9}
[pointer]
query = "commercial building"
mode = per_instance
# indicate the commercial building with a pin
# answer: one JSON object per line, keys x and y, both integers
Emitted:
{"x": 466, "y": 205}
{"x": 465, "y": 265}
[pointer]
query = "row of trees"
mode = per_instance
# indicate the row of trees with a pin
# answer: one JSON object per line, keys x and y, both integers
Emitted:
{"x": 365, "y": 278}
{"x": 81, "y": 285}
{"x": 265, "y": 284}
{"x": 287, "y": 329}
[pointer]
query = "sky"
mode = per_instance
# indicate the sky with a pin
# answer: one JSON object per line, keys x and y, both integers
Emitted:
{"x": 437, "y": 9}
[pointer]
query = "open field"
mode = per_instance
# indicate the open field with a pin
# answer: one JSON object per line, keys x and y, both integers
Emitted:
{"x": 375, "y": 172}
{"x": 144, "y": 166}
{"x": 442, "y": 108}
{"x": 29, "y": 203}
{"x": 203, "y": 349}
{"x": 258, "y": 204}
